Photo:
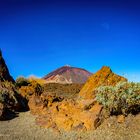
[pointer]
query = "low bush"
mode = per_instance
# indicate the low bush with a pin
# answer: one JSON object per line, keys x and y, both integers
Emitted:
{"x": 124, "y": 98}
{"x": 21, "y": 81}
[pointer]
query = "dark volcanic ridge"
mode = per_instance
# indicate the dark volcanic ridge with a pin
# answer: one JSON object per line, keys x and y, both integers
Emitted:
{"x": 4, "y": 72}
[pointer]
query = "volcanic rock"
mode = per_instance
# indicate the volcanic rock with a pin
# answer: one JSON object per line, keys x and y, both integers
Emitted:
{"x": 39, "y": 104}
{"x": 64, "y": 114}
{"x": 103, "y": 77}
{"x": 4, "y": 72}
{"x": 10, "y": 100}
{"x": 120, "y": 118}
{"x": 36, "y": 105}
{"x": 67, "y": 115}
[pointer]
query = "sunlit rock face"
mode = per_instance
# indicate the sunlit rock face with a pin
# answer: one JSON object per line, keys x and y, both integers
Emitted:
{"x": 64, "y": 114}
{"x": 103, "y": 77}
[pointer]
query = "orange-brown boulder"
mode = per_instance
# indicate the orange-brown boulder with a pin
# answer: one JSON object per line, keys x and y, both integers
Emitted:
{"x": 36, "y": 105}
{"x": 40, "y": 104}
{"x": 103, "y": 77}
{"x": 68, "y": 115}
{"x": 120, "y": 118}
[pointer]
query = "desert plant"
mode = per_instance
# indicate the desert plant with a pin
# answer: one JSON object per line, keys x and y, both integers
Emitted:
{"x": 38, "y": 80}
{"x": 21, "y": 81}
{"x": 124, "y": 98}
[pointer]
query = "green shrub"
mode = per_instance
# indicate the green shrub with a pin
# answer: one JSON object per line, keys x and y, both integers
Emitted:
{"x": 124, "y": 98}
{"x": 21, "y": 81}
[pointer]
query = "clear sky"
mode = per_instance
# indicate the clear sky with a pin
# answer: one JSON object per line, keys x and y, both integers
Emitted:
{"x": 38, "y": 36}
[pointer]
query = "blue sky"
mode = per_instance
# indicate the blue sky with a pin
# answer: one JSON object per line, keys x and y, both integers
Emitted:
{"x": 38, "y": 36}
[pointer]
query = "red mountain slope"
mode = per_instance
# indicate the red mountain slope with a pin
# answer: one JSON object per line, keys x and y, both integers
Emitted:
{"x": 67, "y": 75}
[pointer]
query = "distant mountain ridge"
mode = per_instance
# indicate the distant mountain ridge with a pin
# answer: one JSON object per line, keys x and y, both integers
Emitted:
{"x": 68, "y": 75}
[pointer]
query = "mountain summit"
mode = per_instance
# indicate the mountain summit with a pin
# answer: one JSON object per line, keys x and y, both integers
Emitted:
{"x": 68, "y": 75}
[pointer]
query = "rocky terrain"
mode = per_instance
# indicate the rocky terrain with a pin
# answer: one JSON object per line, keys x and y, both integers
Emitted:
{"x": 24, "y": 127}
{"x": 74, "y": 114}
{"x": 105, "y": 107}
{"x": 68, "y": 75}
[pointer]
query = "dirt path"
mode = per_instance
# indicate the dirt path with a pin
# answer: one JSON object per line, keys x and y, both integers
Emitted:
{"x": 24, "y": 128}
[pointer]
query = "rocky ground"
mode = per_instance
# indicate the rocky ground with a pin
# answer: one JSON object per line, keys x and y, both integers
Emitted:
{"x": 23, "y": 127}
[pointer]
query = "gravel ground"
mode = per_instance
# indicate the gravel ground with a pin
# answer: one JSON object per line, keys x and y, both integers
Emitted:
{"x": 23, "y": 127}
